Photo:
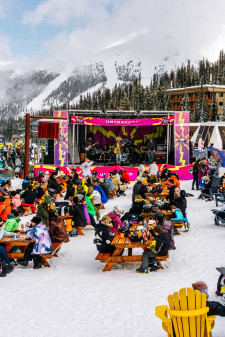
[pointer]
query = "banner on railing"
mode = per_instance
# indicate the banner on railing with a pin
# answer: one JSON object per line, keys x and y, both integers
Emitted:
{"x": 184, "y": 172}
{"x": 81, "y": 120}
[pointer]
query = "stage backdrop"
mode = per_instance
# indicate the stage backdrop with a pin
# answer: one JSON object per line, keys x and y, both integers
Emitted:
{"x": 106, "y": 135}
{"x": 183, "y": 172}
{"x": 81, "y": 120}
{"x": 181, "y": 135}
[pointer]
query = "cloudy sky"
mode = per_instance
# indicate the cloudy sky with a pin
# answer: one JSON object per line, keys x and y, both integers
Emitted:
{"x": 150, "y": 29}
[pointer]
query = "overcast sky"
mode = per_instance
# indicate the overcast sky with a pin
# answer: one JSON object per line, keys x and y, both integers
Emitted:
{"x": 149, "y": 29}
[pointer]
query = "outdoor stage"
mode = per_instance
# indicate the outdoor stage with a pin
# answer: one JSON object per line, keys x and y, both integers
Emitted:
{"x": 184, "y": 172}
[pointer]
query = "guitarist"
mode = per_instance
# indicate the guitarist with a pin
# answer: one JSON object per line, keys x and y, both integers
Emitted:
{"x": 118, "y": 150}
{"x": 88, "y": 147}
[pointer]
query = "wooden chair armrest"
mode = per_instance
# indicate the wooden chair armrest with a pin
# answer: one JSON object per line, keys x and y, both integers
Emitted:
{"x": 188, "y": 313}
{"x": 210, "y": 322}
{"x": 161, "y": 312}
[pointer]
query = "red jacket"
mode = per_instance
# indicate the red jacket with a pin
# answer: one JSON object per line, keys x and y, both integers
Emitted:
{"x": 125, "y": 176}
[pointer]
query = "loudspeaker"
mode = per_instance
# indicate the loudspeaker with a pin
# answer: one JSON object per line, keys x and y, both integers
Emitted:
{"x": 160, "y": 158}
{"x": 49, "y": 159}
{"x": 51, "y": 147}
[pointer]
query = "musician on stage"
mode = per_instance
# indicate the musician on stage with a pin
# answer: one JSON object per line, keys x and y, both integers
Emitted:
{"x": 149, "y": 147}
{"x": 118, "y": 150}
{"x": 88, "y": 145}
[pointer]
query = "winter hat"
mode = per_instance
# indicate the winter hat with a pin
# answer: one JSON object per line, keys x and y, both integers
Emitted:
{"x": 160, "y": 216}
{"x": 80, "y": 196}
{"x": 144, "y": 163}
{"x": 1, "y": 219}
{"x": 47, "y": 200}
{"x": 201, "y": 286}
{"x": 144, "y": 182}
{"x": 36, "y": 220}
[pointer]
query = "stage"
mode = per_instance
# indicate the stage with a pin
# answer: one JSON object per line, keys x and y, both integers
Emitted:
{"x": 184, "y": 172}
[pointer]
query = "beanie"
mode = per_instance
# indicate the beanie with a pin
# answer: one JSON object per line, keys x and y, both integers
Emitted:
{"x": 201, "y": 286}
{"x": 47, "y": 200}
{"x": 36, "y": 220}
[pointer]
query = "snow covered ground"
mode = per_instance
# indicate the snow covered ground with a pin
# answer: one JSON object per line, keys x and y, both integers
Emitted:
{"x": 75, "y": 298}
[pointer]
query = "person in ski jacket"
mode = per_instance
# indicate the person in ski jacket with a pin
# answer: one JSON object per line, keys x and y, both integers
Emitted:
{"x": 103, "y": 236}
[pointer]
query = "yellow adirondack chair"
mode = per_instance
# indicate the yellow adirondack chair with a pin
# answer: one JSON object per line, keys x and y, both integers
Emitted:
{"x": 186, "y": 315}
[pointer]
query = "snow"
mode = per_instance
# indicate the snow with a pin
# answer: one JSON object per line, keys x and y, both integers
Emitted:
{"x": 75, "y": 298}
{"x": 37, "y": 103}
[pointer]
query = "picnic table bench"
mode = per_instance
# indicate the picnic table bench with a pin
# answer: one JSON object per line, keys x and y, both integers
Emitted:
{"x": 120, "y": 244}
{"x": 22, "y": 244}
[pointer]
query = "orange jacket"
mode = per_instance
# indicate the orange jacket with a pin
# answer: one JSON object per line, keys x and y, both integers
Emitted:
{"x": 176, "y": 181}
{"x": 5, "y": 209}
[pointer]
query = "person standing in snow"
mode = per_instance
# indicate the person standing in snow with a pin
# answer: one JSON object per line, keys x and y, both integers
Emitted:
{"x": 86, "y": 168}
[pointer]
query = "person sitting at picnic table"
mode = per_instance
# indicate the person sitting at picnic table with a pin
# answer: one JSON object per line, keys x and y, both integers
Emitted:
{"x": 69, "y": 190}
{"x": 124, "y": 176}
{"x": 105, "y": 188}
{"x": 3, "y": 255}
{"x": 159, "y": 247}
{"x": 153, "y": 170}
{"x": 103, "y": 236}
{"x": 36, "y": 230}
{"x": 136, "y": 208}
{"x": 171, "y": 188}
{"x": 159, "y": 218}
{"x": 143, "y": 189}
{"x": 38, "y": 189}
{"x": 5, "y": 207}
{"x": 16, "y": 202}
{"x": 116, "y": 220}
{"x": 109, "y": 184}
{"x": 52, "y": 183}
{"x": 40, "y": 177}
{"x": 12, "y": 222}
{"x": 9, "y": 186}
{"x": 42, "y": 211}
{"x": 177, "y": 216}
{"x": 3, "y": 188}
{"x": 97, "y": 187}
{"x": 79, "y": 219}
{"x": 57, "y": 228}
{"x": 165, "y": 173}
{"x": 97, "y": 198}
{"x": 29, "y": 198}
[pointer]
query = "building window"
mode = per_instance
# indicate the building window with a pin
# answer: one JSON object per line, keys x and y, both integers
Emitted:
{"x": 220, "y": 103}
{"x": 221, "y": 95}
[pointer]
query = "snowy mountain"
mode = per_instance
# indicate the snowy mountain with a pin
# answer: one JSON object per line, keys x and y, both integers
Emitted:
{"x": 33, "y": 90}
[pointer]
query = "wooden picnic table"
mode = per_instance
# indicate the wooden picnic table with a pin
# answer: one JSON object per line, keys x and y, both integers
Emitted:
{"x": 21, "y": 243}
{"x": 148, "y": 216}
{"x": 120, "y": 244}
{"x": 69, "y": 218}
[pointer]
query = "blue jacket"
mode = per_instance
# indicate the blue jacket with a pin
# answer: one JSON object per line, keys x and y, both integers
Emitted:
{"x": 104, "y": 199}
{"x": 178, "y": 214}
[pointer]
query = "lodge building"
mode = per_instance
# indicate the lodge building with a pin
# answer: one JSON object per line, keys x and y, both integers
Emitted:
{"x": 209, "y": 91}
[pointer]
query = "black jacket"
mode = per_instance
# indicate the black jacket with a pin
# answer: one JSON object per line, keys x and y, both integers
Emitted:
{"x": 29, "y": 196}
{"x": 39, "y": 192}
{"x": 215, "y": 308}
{"x": 54, "y": 184}
{"x": 142, "y": 191}
{"x": 179, "y": 203}
{"x": 137, "y": 207}
{"x": 103, "y": 238}
{"x": 171, "y": 192}
{"x": 136, "y": 189}
{"x": 69, "y": 192}
{"x": 162, "y": 244}
{"x": 195, "y": 168}
{"x": 79, "y": 218}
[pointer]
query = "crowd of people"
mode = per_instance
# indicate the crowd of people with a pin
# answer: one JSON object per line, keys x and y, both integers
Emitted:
{"x": 81, "y": 200}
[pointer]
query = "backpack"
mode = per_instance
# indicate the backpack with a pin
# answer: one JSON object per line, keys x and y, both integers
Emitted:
{"x": 135, "y": 236}
{"x": 3, "y": 268}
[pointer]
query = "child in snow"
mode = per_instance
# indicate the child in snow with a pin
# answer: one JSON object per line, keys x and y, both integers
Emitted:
{"x": 36, "y": 230}
{"x": 177, "y": 216}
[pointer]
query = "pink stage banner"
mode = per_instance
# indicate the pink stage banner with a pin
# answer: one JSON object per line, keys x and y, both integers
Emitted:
{"x": 81, "y": 120}
{"x": 183, "y": 172}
